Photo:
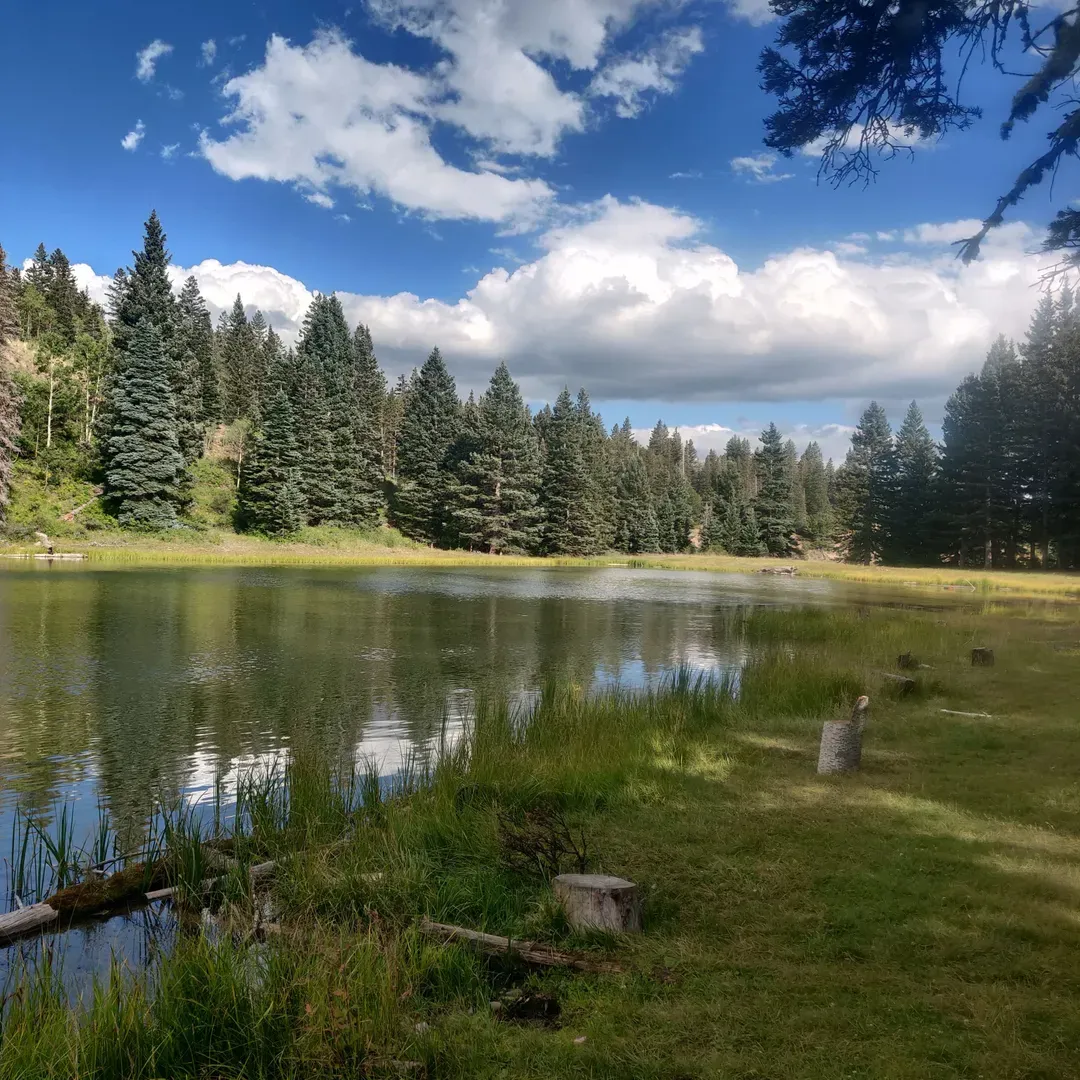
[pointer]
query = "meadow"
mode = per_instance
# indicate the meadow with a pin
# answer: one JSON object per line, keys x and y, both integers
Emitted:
{"x": 915, "y": 919}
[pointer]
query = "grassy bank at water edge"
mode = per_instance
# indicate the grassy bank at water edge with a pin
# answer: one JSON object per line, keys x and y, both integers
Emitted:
{"x": 917, "y": 919}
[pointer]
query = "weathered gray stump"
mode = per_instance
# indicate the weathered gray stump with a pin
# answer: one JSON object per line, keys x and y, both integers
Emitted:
{"x": 982, "y": 657}
{"x": 841, "y": 741}
{"x": 599, "y": 902}
{"x": 903, "y": 684}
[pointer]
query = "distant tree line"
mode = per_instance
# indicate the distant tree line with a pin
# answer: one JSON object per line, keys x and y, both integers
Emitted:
{"x": 135, "y": 397}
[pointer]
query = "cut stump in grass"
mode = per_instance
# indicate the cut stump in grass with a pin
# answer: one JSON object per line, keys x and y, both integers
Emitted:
{"x": 982, "y": 657}
{"x": 841, "y": 741}
{"x": 903, "y": 684}
{"x": 907, "y": 662}
{"x": 599, "y": 902}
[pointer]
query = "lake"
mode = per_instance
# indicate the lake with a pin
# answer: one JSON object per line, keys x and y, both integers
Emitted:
{"x": 119, "y": 686}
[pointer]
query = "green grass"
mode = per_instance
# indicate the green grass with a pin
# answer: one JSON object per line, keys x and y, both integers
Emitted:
{"x": 917, "y": 919}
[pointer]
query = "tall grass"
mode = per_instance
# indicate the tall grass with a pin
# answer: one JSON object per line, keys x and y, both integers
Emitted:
{"x": 348, "y": 987}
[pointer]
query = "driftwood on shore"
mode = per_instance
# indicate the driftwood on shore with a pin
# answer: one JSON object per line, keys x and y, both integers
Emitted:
{"x": 530, "y": 952}
{"x": 784, "y": 571}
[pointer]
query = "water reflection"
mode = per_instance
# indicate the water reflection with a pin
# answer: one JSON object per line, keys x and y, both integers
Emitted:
{"x": 122, "y": 686}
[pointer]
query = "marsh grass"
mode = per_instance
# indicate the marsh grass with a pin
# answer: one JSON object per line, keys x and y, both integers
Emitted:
{"x": 915, "y": 920}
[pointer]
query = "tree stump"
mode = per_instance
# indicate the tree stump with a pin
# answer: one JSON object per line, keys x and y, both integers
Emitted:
{"x": 599, "y": 902}
{"x": 841, "y": 741}
{"x": 982, "y": 657}
{"x": 907, "y": 662}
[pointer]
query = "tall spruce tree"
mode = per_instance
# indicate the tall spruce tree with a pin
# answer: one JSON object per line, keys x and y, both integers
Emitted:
{"x": 800, "y": 523}
{"x": 774, "y": 505}
{"x": 570, "y": 522}
{"x": 9, "y": 312}
{"x": 369, "y": 404}
{"x": 596, "y": 520}
{"x": 866, "y": 487}
{"x": 143, "y": 463}
{"x": 496, "y": 497}
{"x": 271, "y": 492}
{"x": 637, "y": 531}
{"x": 240, "y": 361}
{"x": 815, "y": 484}
{"x": 143, "y": 292}
{"x": 430, "y": 425}
{"x": 9, "y": 428}
{"x": 914, "y": 530}
{"x": 195, "y": 333}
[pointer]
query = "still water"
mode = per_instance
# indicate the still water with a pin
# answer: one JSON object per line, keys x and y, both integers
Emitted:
{"x": 120, "y": 686}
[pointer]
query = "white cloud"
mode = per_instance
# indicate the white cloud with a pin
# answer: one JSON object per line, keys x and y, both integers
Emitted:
{"x": 630, "y": 301}
{"x": 320, "y": 199}
{"x": 942, "y": 233}
{"x": 208, "y": 51}
{"x": 896, "y": 134}
{"x": 146, "y": 59}
{"x": 693, "y": 174}
{"x": 759, "y": 168}
{"x": 168, "y": 151}
{"x": 755, "y": 12}
{"x": 321, "y": 115}
{"x": 847, "y": 247}
{"x": 629, "y": 79}
{"x": 135, "y": 136}
{"x": 833, "y": 439}
{"x": 97, "y": 285}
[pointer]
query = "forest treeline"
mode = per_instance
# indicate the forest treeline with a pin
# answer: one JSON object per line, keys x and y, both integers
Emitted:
{"x": 133, "y": 398}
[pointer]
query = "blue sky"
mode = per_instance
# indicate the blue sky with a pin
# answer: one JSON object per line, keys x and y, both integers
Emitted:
{"x": 575, "y": 186}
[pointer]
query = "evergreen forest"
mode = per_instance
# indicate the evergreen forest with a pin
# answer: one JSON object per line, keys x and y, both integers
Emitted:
{"x": 148, "y": 416}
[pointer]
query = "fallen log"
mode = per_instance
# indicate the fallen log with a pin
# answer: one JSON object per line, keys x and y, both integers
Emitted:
{"x": 901, "y": 682}
{"x": 973, "y": 715}
{"x": 530, "y": 952}
{"x": 98, "y": 896}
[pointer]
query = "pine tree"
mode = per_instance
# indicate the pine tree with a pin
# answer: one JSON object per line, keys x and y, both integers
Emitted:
{"x": 800, "y": 523}
{"x": 637, "y": 531}
{"x": 866, "y": 487}
{"x": 815, "y": 483}
{"x": 144, "y": 292}
{"x": 64, "y": 298}
{"x": 9, "y": 314}
{"x": 496, "y": 497}
{"x": 773, "y": 506}
{"x": 271, "y": 494}
{"x": 9, "y": 424}
{"x": 430, "y": 425}
{"x": 239, "y": 365}
{"x": 568, "y": 528}
{"x": 143, "y": 463}
{"x": 914, "y": 527}
{"x": 39, "y": 272}
{"x": 369, "y": 406}
{"x": 596, "y": 519}
{"x": 195, "y": 333}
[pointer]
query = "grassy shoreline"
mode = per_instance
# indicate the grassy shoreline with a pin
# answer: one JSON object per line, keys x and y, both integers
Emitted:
{"x": 915, "y": 919}
{"x": 330, "y": 547}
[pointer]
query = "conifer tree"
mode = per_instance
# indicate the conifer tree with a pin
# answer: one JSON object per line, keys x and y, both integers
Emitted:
{"x": 144, "y": 292}
{"x": 914, "y": 527}
{"x": 369, "y": 405}
{"x": 271, "y": 493}
{"x": 9, "y": 426}
{"x": 239, "y": 365}
{"x": 596, "y": 519}
{"x": 143, "y": 463}
{"x": 815, "y": 484}
{"x": 637, "y": 530}
{"x": 866, "y": 487}
{"x": 64, "y": 298}
{"x": 773, "y": 506}
{"x": 9, "y": 315}
{"x": 195, "y": 334}
{"x": 39, "y": 272}
{"x": 569, "y": 527}
{"x": 496, "y": 497}
{"x": 430, "y": 425}
{"x": 798, "y": 492}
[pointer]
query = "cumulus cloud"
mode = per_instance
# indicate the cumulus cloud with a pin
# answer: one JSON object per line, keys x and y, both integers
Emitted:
{"x": 630, "y": 79}
{"x": 759, "y": 169}
{"x": 208, "y": 52}
{"x": 897, "y": 136}
{"x": 146, "y": 59}
{"x": 135, "y": 136}
{"x": 632, "y": 302}
{"x": 755, "y": 12}
{"x": 168, "y": 151}
{"x": 833, "y": 439}
{"x": 322, "y": 114}
{"x": 942, "y": 233}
